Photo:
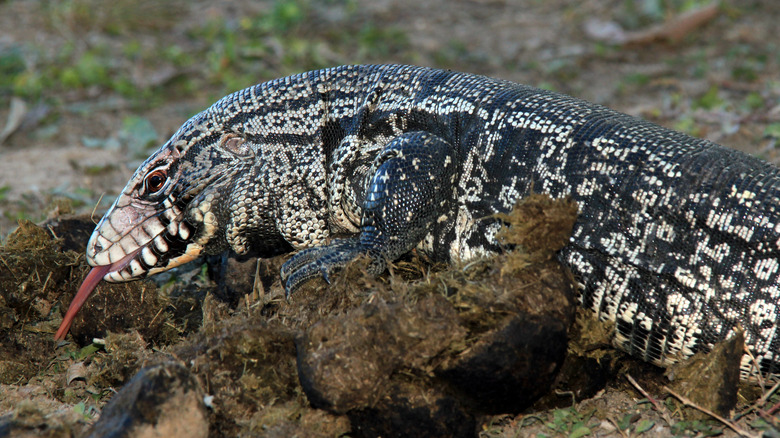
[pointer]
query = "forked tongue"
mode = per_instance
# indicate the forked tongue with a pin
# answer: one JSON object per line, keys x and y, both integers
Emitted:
{"x": 85, "y": 290}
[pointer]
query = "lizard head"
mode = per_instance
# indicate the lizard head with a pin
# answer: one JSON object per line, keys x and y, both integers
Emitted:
{"x": 165, "y": 216}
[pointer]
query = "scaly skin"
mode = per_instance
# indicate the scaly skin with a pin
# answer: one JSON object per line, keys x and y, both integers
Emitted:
{"x": 677, "y": 239}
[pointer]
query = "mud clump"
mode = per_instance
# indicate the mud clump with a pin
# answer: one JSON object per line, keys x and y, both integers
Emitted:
{"x": 372, "y": 343}
{"x": 419, "y": 351}
{"x": 41, "y": 276}
{"x": 247, "y": 366}
{"x": 711, "y": 380}
{"x": 484, "y": 338}
{"x": 33, "y": 274}
{"x": 116, "y": 307}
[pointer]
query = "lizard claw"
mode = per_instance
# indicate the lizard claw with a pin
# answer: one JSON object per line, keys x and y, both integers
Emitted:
{"x": 324, "y": 262}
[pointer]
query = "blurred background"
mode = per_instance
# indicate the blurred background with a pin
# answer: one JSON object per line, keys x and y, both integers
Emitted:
{"x": 90, "y": 88}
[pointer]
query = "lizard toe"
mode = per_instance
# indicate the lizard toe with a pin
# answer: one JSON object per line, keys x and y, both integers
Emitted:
{"x": 324, "y": 262}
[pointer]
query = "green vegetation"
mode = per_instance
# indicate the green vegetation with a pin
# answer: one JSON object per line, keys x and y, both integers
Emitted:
{"x": 571, "y": 422}
{"x": 139, "y": 58}
{"x": 142, "y": 54}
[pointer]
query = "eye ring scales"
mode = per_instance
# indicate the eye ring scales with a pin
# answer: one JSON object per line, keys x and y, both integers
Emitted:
{"x": 155, "y": 181}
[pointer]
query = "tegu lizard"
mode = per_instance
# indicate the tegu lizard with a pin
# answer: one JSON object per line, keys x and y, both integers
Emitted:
{"x": 677, "y": 238}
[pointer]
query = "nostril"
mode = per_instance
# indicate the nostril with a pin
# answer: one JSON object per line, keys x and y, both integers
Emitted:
{"x": 98, "y": 247}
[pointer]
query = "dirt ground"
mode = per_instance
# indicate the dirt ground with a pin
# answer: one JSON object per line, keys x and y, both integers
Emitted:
{"x": 87, "y": 90}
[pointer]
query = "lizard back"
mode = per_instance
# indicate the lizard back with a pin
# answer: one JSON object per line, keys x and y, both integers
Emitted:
{"x": 677, "y": 239}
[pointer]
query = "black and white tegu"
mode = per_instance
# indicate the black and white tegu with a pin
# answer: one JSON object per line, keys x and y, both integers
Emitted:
{"x": 677, "y": 239}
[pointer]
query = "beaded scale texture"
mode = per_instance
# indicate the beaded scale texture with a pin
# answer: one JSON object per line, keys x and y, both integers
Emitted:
{"x": 677, "y": 240}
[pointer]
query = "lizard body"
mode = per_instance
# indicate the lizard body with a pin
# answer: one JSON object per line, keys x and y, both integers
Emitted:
{"x": 677, "y": 240}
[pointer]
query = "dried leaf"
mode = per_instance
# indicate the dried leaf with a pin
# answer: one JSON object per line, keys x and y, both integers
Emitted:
{"x": 677, "y": 28}
{"x": 16, "y": 115}
{"x": 672, "y": 30}
{"x": 76, "y": 371}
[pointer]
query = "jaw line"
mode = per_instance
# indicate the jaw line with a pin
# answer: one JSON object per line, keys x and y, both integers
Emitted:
{"x": 102, "y": 272}
{"x": 124, "y": 261}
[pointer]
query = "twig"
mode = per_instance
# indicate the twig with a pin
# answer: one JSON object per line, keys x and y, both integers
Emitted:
{"x": 687, "y": 402}
{"x": 658, "y": 407}
{"x": 617, "y": 427}
{"x": 644, "y": 393}
{"x": 92, "y": 215}
{"x": 774, "y": 409}
{"x": 155, "y": 316}
{"x": 765, "y": 397}
{"x": 754, "y": 366}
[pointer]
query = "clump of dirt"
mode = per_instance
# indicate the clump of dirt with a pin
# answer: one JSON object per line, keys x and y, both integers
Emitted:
{"x": 711, "y": 380}
{"x": 437, "y": 347}
{"x": 364, "y": 354}
{"x": 486, "y": 337}
{"x": 125, "y": 354}
{"x": 42, "y": 276}
{"x": 35, "y": 414}
{"x": 34, "y": 273}
{"x": 540, "y": 225}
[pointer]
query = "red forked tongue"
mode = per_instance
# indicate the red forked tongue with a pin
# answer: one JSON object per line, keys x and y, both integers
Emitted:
{"x": 89, "y": 284}
{"x": 86, "y": 288}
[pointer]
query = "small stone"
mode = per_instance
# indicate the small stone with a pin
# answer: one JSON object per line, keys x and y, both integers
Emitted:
{"x": 163, "y": 400}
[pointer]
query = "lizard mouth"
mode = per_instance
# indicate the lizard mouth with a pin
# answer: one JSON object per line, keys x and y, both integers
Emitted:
{"x": 147, "y": 248}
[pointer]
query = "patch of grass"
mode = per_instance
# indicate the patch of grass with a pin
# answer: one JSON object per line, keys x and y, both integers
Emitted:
{"x": 639, "y": 79}
{"x": 137, "y": 56}
{"x": 11, "y": 65}
{"x": 291, "y": 36}
{"x": 688, "y": 125}
{"x": 285, "y": 16}
{"x": 75, "y": 62}
{"x": 696, "y": 428}
{"x": 87, "y": 413}
{"x": 570, "y": 422}
{"x": 772, "y": 130}
{"x": 634, "y": 80}
{"x": 71, "y": 70}
{"x": 99, "y": 170}
{"x": 18, "y": 215}
{"x": 748, "y": 63}
{"x": 114, "y": 18}
{"x": 88, "y": 69}
{"x": 709, "y": 100}
{"x": 85, "y": 352}
{"x": 754, "y": 101}
{"x": 376, "y": 41}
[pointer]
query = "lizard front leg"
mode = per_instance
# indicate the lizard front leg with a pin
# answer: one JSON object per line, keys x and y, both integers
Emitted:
{"x": 409, "y": 186}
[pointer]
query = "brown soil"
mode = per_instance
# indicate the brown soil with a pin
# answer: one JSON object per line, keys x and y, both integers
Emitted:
{"x": 718, "y": 81}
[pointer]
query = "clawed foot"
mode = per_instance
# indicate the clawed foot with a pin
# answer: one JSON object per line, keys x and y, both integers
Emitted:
{"x": 325, "y": 261}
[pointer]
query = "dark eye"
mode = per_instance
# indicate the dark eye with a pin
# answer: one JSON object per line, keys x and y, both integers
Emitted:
{"x": 155, "y": 181}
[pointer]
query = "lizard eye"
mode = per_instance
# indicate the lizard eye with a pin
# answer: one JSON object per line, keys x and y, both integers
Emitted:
{"x": 155, "y": 181}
